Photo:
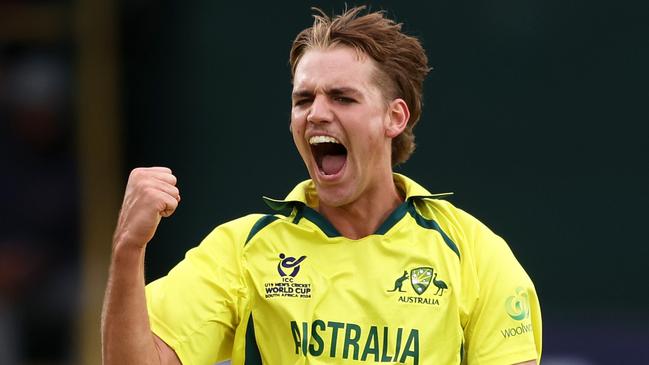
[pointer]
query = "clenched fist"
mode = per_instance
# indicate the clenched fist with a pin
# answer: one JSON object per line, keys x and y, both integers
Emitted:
{"x": 151, "y": 194}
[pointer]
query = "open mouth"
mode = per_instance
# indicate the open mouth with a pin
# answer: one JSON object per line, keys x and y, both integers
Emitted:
{"x": 330, "y": 155}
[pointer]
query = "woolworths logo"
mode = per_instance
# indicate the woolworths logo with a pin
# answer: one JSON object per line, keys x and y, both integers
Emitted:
{"x": 515, "y": 331}
{"x": 518, "y": 306}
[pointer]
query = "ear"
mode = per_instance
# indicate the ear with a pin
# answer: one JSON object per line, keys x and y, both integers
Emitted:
{"x": 397, "y": 118}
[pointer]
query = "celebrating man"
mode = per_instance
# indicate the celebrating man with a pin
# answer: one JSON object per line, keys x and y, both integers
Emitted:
{"x": 356, "y": 265}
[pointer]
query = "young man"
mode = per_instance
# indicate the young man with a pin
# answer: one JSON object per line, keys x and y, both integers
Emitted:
{"x": 357, "y": 265}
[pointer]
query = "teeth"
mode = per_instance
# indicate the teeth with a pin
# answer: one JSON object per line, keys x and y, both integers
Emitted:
{"x": 322, "y": 139}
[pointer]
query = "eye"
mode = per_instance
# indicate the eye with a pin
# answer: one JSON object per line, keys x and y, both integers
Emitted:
{"x": 344, "y": 100}
{"x": 301, "y": 102}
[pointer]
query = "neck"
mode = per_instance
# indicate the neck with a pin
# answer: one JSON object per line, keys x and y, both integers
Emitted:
{"x": 365, "y": 215}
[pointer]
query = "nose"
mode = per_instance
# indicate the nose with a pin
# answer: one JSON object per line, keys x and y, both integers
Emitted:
{"x": 320, "y": 111}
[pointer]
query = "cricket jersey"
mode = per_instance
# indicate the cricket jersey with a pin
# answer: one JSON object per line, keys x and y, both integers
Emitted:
{"x": 432, "y": 285}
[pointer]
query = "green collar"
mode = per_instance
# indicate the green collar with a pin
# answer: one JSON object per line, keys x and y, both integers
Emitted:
{"x": 304, "y": 196}
{"x": 305, "y": 193}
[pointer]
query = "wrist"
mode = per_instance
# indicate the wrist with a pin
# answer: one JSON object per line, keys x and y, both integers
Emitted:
{"x": 123, "y": 238}
{"x": 124, "y": 247}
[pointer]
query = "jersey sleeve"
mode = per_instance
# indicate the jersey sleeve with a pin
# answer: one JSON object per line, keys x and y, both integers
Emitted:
{"x": 195, "y": 307}
{"x": 504, "y": 322}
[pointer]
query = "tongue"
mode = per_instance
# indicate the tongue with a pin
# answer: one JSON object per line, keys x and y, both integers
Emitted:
{"x": 332, "y": 164}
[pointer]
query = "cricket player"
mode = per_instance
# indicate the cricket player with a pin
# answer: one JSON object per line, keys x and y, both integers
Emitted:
{"x": 355, "y": 265}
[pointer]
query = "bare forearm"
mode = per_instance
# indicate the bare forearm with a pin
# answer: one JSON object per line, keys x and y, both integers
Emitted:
{"x": 126, "y": 332}
{"x": 127, "y": 339}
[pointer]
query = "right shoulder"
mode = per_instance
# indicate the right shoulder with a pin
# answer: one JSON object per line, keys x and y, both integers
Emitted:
{"x": 241, "y": 230}
{"x": 224, "y": 243}
{"x": 236, "y": 230}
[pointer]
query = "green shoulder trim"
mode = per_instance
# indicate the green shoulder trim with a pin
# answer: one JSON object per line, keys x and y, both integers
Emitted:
{"x": 259, "y": 225}
{"x": 431, "y": 224}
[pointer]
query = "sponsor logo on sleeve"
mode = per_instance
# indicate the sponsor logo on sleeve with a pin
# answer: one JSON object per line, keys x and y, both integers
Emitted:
{"x": 518, "y": 308}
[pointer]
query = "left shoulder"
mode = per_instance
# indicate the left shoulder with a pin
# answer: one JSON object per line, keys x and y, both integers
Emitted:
{"x": 465, "y": 230}
{"x": 446, "y": 214}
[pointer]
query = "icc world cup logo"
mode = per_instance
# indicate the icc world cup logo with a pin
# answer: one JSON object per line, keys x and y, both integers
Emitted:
{"x": 289, "y": 263}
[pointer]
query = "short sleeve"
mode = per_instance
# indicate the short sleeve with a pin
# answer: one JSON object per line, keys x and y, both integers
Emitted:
{"x": 195, "y": 307}
{"x": 504, "y": 324}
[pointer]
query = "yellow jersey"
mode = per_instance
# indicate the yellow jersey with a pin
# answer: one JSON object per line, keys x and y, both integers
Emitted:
{"x": 432, "y": 286}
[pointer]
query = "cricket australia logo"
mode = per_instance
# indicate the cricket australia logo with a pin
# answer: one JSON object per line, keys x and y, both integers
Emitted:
{"x": 288, "y": 267}
{"x": 420, "y": 280}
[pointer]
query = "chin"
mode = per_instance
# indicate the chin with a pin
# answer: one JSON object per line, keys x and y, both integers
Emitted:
{"x": 333, "y": 197}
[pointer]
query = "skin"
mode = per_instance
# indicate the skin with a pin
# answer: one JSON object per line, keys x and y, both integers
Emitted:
{"x": 333, "y": 95}
{"x": 150, "y": 195}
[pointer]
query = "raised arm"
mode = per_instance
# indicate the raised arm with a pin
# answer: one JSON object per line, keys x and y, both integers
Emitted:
{"x": 151, "y": 194}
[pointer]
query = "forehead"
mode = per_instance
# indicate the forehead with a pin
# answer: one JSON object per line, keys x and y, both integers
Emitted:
{"x": 336, "y": 67}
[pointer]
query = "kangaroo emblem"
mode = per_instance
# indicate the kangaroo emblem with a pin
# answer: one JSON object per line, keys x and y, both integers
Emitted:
{"x": 399, "y": 282}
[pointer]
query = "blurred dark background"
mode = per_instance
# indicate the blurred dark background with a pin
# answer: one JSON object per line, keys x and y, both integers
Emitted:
{"x": 536, "y": 116}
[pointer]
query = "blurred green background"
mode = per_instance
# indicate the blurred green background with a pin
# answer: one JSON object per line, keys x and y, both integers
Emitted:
{"x": 535, "y": 114}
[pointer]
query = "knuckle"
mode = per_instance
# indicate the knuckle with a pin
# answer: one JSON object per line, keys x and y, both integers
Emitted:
{"x": 173, "y": 179}
{"x": 172, "y": 204}
{"x": 138, "y": 184}
{"x": 136, "y": 172}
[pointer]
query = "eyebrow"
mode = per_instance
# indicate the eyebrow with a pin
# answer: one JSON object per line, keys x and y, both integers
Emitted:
{"x": 335, "y": 91}
{"x": 301, "y": 94}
